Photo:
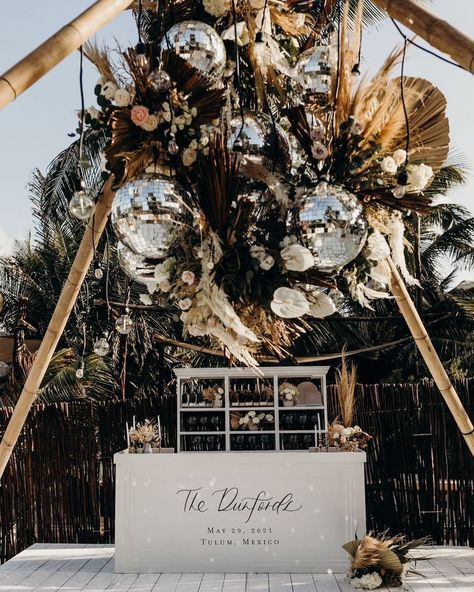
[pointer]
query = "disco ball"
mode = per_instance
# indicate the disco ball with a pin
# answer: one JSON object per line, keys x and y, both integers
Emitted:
{"x": 333, "y": 227}
{"x": 199, "y": 45}
{"x": 260, "y": 139}
{"x": 148, "y": 212}
{"x": 314, "y": 72}
{"x": 139, "y": 269}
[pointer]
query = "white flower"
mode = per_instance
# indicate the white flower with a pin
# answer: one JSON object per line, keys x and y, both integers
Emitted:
{"x": 185, "y": 303}
{"x": 101, "y": 80}
{"x": 321, "y": 306}
{"x": 242, "y": 34}
{"x": 297, "y": 257}
{"x": 150, "y": 124}
{"x": 269, "y": 417}
{"x": 246, "y": 419}
{"x": 152, "y": 287}
{"x": 255, "y": 420}
{"x": 370, "y": 581}
{"x": 288, "y": 303}
{"x": 146, "y": 299}
{"x": 122, "y": 97}
{"x": 216, "y": 8}
{"x": 241, "y": 421}
{"x": 319, "y": 151}
{"x": 162, "y": 272}
{"x": 399, "y": 156}
{"x": 335, "y": 436}
{"x": 188, "y": 277}
{"x": 357, "y": 128}
{"x": 288, "y": 240}
{"x": 189, "y": 157}
{"x": 377, "y": 247}
{"x": 252, "y": 413}
{"x": 165, "y": 285}
{"x": 357, "y": 429}
{"x": 108, "y": 90}
{"x": 418, "y": 177}
{"x": 267, "y": 263}
{"x": 93, "y": 112}
{"x": 347, "y": 432}
{"x": 388, "y": 165}
{"x": 220, "y": 391}
{"x": 289, "y": 397}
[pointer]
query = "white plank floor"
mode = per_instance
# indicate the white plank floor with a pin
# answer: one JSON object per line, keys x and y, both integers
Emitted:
{"x": 81, "y": 568}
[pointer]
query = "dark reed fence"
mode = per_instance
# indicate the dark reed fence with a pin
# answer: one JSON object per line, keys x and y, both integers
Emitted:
{"x": 59, "y": 485}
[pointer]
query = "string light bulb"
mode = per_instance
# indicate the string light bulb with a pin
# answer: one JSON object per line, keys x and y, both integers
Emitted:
{"x": 82, "y": 205}
{"x": 101, "y": 346}
{"x": 80, "y": 370}
{"x": 124, "y": 324}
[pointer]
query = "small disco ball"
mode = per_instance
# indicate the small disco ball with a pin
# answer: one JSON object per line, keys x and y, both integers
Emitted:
{"x": 333, "y": 227}
{"x": 148, "y": 212}
{"x": 198, "y": 44}
{"x": 139, "y": 269}
{"x": 314, "y": 72}
{"x": 260, "y": 139}
{"x": 158, "y": 81}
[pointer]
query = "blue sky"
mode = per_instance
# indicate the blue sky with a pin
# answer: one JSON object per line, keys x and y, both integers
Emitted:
{"x": 34, "y": 128}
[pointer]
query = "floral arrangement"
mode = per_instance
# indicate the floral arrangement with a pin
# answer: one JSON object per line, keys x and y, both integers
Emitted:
{"x": 251, "y": 420}
{"x": 213, "y": 394}
{"x": 347, "y": 438}
{"x": 245, "y": 271}
{"x": 145, "y": 435}
{"x": 379, "y": 561}
{"x": 288, "y": 393}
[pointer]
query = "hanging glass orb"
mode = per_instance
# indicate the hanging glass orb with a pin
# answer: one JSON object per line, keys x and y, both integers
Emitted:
{"x": 314, "y": 71}
{"x": 333, "y": 227}
{"x": 139, "y": 269}
{"x": 101, "y": 347}
{"x": 262, "y": 141}
{"x": 158, "y": 81}
{"x": 80, "y": 371}
{"x": 124, "y": 324}
{"x": 148, "y": 212}
{"x": 98, "y": 273}
{"x": 4, "y": 370}
{"x": 199, "y": 45}
{"x": 81, "y": 205}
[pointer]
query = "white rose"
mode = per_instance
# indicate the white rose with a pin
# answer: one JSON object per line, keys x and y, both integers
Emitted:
{"x": 256, "y": 420}
{"x": 377, "y": 247}
{"x": 288, "y": 396}
{"x": 399, "y": 156}
{"x": 297, "y": 258}
{"x": 220, "y": 391}
{"x": 246, "y": 419}
{"x": 108, "y": 90}
{"x": 93, "y": 112}
{"x": 252, "y": 413}
{"x": 267, "y": 263}
{"x": 185, "y": 303}
{"x": 357, "y": 429}
{"x": 288, "y": 303}
{"x": 150, "y": 124}
{"x": 269, "y": 417}
{"x": 322, "y": 306}
{"x": 335, "y": 436}
{"x": 388, "y": 165}
{"x": 242, "y": 34}
{"x": 188, "y": 277}
{"x": 189, "y": 157}
{"x": 347, "y": 432}
{"x": 122, "y": 97}
{"x": 418, "y": 177}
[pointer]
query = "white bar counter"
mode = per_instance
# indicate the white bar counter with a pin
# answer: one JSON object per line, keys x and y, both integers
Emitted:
{"x": 277, "y": 512}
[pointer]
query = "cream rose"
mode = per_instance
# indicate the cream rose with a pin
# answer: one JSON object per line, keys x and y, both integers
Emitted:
{"x": 188, "y": 277}
{"x": 418, "y": 177}
{"x": 185, "y": 303}
{"x": 139, "y": 114}
{"x": 399, "y": 156}
{"x": 122, "y": 97}
{"x": 388, "y": 165}
{"x": 108, "y": 90}
{"x": 150, "y": 124}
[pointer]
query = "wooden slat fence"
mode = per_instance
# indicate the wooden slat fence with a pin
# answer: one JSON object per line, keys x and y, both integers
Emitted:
{"x": 59, "y": 485}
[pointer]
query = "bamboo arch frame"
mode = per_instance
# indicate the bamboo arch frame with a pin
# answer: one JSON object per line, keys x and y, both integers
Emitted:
{"x": 40, "y": 61}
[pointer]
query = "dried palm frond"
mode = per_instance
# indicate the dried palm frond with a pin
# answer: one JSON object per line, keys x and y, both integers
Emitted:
{"x": 290, "y": 23}
{"x": 235, "y": 421}
{"x": 346, "y": 380}
{"x": 99, "y": 56}
{"x": 367, "y": 553}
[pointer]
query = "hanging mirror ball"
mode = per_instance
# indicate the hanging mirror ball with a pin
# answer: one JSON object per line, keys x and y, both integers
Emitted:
{"x": 199, "y": 45}
{"x": 4, "y": 370}
{"x": 148, "y": 212}
{"x": 139, "y": 269}
{"x": 262, "y": 141}
{"x": 124, "y": 324}
{"x": 101, "y": 347}
{"x": 158, "y": 81}
{"x": 333, "y": 227}
{"x": 81, "y": 205}
{"x": 314, "y": 71}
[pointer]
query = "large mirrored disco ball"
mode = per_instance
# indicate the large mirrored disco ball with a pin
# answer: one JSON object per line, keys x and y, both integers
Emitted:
{"x": 199, "y": 45}
{"x": 333, "y": 227}
{"x": 148, "y": 212}
{"x": 139, "y": 269}
{"x": 314, "y": 72}
{"x": 262, "y": 140}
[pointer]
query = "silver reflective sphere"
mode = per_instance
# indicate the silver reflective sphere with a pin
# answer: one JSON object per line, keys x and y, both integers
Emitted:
{"x": 124, "y": 324}
{"x": 257, "y": 137}
{"x": 314, "y": 69}
{"x": 158, "y": 80}
{"x": 81, "y": 205}
{"x": 147, "y": 213}
{"x": 199, "y": 44}
{"x": 139, "y": 269}
{"x": 333, "y": 227}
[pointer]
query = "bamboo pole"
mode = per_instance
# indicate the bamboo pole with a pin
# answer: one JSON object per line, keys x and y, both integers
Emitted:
{"x": 47, "y": 55}
{"x": 423, "y": 342}
{"x": 64, "y": 306}
{"x": 435, "y": 31}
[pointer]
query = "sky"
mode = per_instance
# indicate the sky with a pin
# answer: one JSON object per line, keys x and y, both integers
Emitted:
{"x": 33, "y": 129}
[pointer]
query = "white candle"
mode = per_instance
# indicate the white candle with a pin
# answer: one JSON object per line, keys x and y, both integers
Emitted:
{"x": 319, "y": 424}
{"x": 127, "y": 434}
{"x": 159, "y": 429}
{"x": 134, "y": 425}
{"x": 315, "y": 436}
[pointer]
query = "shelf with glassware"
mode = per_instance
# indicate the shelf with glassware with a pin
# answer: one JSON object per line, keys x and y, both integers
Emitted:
{"x": 251, "y": 409}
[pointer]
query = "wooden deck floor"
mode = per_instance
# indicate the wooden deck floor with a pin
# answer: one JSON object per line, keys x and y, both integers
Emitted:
{"x": 81, "y": 568}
